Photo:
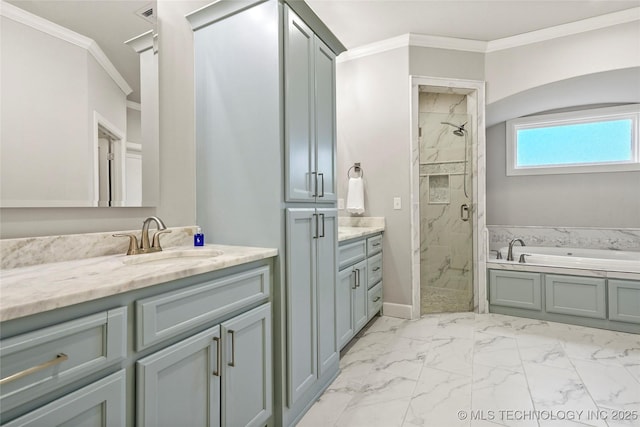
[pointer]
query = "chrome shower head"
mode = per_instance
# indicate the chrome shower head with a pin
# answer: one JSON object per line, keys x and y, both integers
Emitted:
{"x": 460, "y": 130}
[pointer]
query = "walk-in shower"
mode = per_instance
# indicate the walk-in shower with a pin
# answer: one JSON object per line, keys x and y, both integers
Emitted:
{"x": 446, "y": 228}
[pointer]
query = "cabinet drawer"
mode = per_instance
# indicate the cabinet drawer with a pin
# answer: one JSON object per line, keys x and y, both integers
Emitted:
{"x": 624, "y": 300}
{"x": 515, "y": 289}
{"x": 374, "y": 300}
{"x": 102, "y": 403}
{"x": 577, "y": 296}
{"x": 374, "y": 244}
{"x": 169, "y": 314}
{"x": 58, "y": 355}
{"x": 351, "y": 253}
{"x": 374, "y": 270}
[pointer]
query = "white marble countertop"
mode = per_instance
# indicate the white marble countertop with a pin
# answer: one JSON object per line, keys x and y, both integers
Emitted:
{"x": 30, "y": 290}
{"x": 347, "y": 232}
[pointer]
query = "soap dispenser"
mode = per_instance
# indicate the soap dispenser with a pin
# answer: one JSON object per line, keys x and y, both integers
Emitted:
{"x": 198, "y": 238}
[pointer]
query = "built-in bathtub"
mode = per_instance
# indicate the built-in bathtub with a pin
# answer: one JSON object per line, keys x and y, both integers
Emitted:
{"x": 593, "y": 259}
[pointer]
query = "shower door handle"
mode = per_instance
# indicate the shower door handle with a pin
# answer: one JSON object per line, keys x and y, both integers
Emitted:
{"x": 464, "y": 212}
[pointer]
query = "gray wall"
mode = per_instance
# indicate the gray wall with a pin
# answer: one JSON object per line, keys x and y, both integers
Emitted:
{"x": 572, "y": 200}
{"x": 177, "y": 158}
{"x": 373, "y": 129}
{"x": 430, "y": 62}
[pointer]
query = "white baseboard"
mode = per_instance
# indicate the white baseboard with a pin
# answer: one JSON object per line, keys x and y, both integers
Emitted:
{"x": 402, "y": 311}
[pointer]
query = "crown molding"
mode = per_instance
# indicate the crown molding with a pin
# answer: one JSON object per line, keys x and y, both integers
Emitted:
{"x": 374, "y": 48}
{"x": 564, "y": 30}
{"x": 467, "y": 45}
{"x": 23, "y": 17}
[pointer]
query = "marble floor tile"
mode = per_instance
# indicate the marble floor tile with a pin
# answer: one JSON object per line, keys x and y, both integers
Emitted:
{"x": 381, "y": 387}
{"x": 610, "y": 386}
{"x": 557, "y": 390}
{"x": 389, "y": 413}
{"x": 451, "y": 354}
{"x": 483, "y": 370}
{"x": 438, "y": 399}
{"x": 502, "y": 392}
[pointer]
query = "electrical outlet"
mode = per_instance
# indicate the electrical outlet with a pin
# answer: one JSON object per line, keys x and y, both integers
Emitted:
{"x": 341, "y": 204}
{"x": 397, "y": 203}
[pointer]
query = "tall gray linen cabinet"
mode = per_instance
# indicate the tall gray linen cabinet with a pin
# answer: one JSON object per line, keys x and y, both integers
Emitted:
{"x": 266, "y": 172}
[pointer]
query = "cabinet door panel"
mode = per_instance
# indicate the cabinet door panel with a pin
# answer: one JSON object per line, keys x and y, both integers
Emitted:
{"x": 247, "y": 385}
{"x": 177, "y": 386}
{"x": 344, "y": 306}
{"x": 327, "y": 269}
{"x": 301, "y": 301}
{"x": 100, "y": 404}
{"x": 299, "y": 124}
{"x": 518, "y": 289}
{"x": 624, "y": 300}
{"x": 325, "y": 115}
{"x": 578, "y": 296}
{"x": 360, "y": 296}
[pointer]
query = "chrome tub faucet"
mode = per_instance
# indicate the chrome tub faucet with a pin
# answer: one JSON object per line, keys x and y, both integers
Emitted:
{"x": 511, "y": 243}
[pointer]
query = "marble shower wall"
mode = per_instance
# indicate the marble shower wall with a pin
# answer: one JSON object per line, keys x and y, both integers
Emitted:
{"x": 446, "y": 256}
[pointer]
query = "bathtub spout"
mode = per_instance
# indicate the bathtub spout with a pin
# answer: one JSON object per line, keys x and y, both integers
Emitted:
{"x": 510, "y": 253}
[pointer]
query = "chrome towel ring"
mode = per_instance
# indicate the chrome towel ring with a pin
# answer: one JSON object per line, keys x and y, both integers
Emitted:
{"x": 357, "y": 169}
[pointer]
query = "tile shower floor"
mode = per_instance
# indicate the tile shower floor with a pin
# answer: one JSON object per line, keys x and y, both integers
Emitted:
{"x": 466, "y": 369}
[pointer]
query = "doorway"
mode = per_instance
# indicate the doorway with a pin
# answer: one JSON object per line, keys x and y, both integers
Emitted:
{"x": 448, "y": 192}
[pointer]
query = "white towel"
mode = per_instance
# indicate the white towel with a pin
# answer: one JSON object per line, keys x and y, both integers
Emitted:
{"x": 355, "y": 196}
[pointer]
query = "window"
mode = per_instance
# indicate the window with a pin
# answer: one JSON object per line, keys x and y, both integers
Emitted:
{"x": 587, "y": 141}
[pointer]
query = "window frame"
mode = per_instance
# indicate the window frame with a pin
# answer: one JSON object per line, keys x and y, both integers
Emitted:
{"x": 631, "y": 111}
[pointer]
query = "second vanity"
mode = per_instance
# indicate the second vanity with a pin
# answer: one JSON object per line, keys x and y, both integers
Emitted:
{"x": 143, "y": 340}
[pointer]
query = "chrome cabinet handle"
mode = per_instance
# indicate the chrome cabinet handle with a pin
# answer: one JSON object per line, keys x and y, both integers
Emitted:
{"x": 315, "y": 184}
{"x": 376, "y": 244}
{"x": 219, "y": 356}
{"x": 61, "y": 357}
{"x": 355, "y": 278}
{"x": 233, "y": 348}
{"x": 358, "y": 271}
{"x": 315, "y": 236}
{"x": 322, "y": 215}
{"x": 376, "y": 269}
{"x": 376, "y": 299}
{"x": 321, "y": 175}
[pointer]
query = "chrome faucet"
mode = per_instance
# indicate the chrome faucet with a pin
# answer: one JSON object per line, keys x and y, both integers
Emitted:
{"x": 145, "y": 247}
{"x": 510, "y": 253}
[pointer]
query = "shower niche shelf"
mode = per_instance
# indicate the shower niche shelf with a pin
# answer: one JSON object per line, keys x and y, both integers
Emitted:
{"x": 439, "y": 190}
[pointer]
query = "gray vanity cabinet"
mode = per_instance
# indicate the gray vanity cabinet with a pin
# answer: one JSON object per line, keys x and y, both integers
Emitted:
{"x": 351, "y": 301}
{"x": 311, "y": 276}
{"x": 359, "y": 286}
{"x": 246, "y": 367}
{"x": 310, "y": 149}
{"x": 100, "y": 404}
{"x": 181, "y": 382}
{"x": 221, "y": 376}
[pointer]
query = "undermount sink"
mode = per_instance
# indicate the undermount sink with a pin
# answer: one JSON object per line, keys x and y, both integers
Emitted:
{"x": 173, "y": 256}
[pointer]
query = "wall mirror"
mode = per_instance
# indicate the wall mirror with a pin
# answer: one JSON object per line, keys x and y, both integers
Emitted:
{"x": 80, "y": 105}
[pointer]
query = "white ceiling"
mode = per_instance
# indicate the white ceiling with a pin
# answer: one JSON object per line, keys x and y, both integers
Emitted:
{"x": 360, "y": 22}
